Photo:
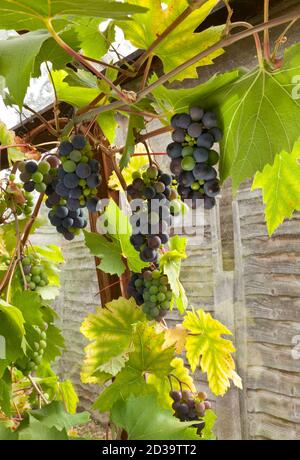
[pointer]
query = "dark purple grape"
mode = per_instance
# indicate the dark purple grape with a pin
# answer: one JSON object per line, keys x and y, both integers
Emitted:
{"x": 62, "y": 190}
{"x": 65, "y": 148}
{"x": 183, "y": 121}
{"x": 209, "y": 120}
{"x": 73, "y": 204}
{"x": 183, "y": 191}
{"x": 196, "y": 113}
{"x": 178, "y": 135}
{"x": 93, "y": 180}
{"x": 164, "y": 237}
{"x": 53, "y": 161}
{"x": 209, "y": 202}
{"x": 154, "y": 242}
{"x": 206, "y": 140}
{"x": 60, "y": 229}
{"x": 183, "y": 411}
{"x": 166, "y": 179}
{"x": 54, "y": 198}
{"x": 174, "y": 150}
{"x": 149, "y": 192}
{"x": 212, "y": 188}
{"x": 175, "y": 395}
{"x": 78, "y": 142}
{"x": 216, "y": 133}
{"x": 175, "y": 166}
{"x": 194, "y": 130}
{"x": 83, "y": 170}
{"x": 48, "y": 204}
{"x": 76, "y": 213}
{"x": 92, "y": 204}
{"x": 75, "y": 192}
{"x": 29, "y": 186}
{"x": 26, "y": 269}
{"x": 71, "y": 180}
{"x": 25, "y": 176}
{"x": 95, "y": 165}
{"x": 69, "y": 236}
{"x": 174, "y": 120}
{"x": 200, "y": 154}
{"x": 31, "y": 167}
{"x": 67, "y": 222}
{"x": 186, "y": 178}
{"x": 148, "y": 255}
{"x": 137, "y": 240}
{"x": 61, "y": 212}
{"x": 204, "y": 172}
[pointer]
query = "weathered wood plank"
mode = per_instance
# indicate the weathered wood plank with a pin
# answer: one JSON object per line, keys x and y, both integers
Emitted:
{"x": 262, "y": 378}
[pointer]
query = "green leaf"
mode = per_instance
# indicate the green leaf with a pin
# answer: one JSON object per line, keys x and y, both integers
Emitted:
{"x": 8, "y": 232}
{"x": 148, "y": 357}
{"x": 170, "y": 263}
{"x": 148, "y": 26}
{"x": 34, "y": 430}
{"x": 6, "y": 434}
{"x": 55, "y": 343}
{"x": 54, "y": 416}
{"x": 116, "y": 245}
{"x": 206, "y": 348}
{"x": 17, "y": 71}
{"x": 111, "y": 331}
{"x": 135, "y": 122}
{"x": 170, "y": 101}
{"x": 29, "y": 303}
{"x": 144, "y": 419}
{"x": 50, "y": 252}
{"x": 209, "y": 419}
{"x": 280, "y": 184}
{"x": 108, "y": 124}
{"x": 73, "y": 94}
{"x": 260, "y": 115}
{"x": 69, "y": 396}
{"x": 5, "y": 394}
{"x": 30, "y": 14}
{"x": 93, "y": 43}
{"x": 12, "y": 329}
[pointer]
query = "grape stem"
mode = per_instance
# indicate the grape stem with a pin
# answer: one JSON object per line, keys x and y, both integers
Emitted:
{"x": 37, "y": 389}
{"x": 267, "y": 51}
{"x": 42, "y": 119}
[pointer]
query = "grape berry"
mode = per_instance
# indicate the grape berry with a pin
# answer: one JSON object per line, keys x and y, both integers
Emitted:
{"x": 192, "y": 155}
{"x": 188, "y": 406}
{"x": 34, "y": 272}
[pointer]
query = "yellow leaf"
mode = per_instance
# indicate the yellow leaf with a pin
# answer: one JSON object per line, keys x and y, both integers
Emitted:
{"x": 176, "y": 336}
{"x": 136, "y": 163}
{"x": 206, "y": 348}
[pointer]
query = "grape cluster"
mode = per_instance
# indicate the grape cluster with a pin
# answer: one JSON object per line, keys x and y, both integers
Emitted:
{"x": 151, "y": 222}
{"x": 34, "y": 271}
{"x": 36, "y": 352}
{"x": 152, "y": 291}
{"x": 74, "y": 188}
{"x": 13, "y": 198}
{"x": 37, "y": 176}
{"x": 188, "y": 406}
{"x": 192, "y": 156}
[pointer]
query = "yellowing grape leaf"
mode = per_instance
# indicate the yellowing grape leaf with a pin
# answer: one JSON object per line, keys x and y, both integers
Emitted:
{"x": 148, "y": 357}
{"x": 280, "y": 184}
{"x": 170, "y": 263}
{"x": 146, "y": 27}
{"x": 162, "y": 384}
{"x": 207, "y": 348}
{"x": 7, "y": 137}
{"x": 176, "y": 336}
{"x": 111, "y": 331}
{"x": 136, "y": 163}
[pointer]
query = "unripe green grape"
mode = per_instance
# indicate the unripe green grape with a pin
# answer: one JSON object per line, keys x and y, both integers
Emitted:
{"x": 153, "y": 298}
{"x": 76, "y": 155}
{"x": 153, "y": 290}
{"x": 44, "y": 167}
{"x": 136, "y": 175}
{"x": 84, "y": 159}
{"x": 43, "y": 344}
{"x": 37, "y": 177}
{"x": 26, "y": 261}
{"x": 187, "y": 151}
{"x": 43, "y": 335}
{"x": 195, "y": 186}
{"x": 32, "y": 286}
{"x": 86, "y": 192}
{"x": 69, "y": 166}
{"x": 155, "y": 274}
{"x": 82, "y": 182}
{"x": 36, "y": 270}
{"x": 42, "y": 283}
{"x": 161, "y": 297}
{"x": 188, "y": 163}
{"x": 152, "y": 172}
{"x": 36, "y": 279}
{"x": 165, "y": 305}
{"x": 41, "y": 188}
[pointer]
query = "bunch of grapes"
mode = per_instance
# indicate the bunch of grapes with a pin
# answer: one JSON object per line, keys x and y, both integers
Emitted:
{"x": 34, "y": 271}
{"x": 35, "y": 352}
{"x": 189, "y": 406}
{"x": 78, "y": 175}
{"x": 152, "y": 291}
{"x": 192, "y": 156}
{"x": 37, "y": 176}
{"x": 152, "y": 221}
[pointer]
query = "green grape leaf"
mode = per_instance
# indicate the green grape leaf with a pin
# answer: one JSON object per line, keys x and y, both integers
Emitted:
{"x": 205, "y": 347}
{"x": 5, "y": 394}
{"x": 8, "y": 232}
{"x": 144, "y": 419}
{"x": 17, "y": 71}
{"x": 170, "y": 263}
{"x": 30, "y": 305}
{"x": 169, "y": 101}
{"x": 34, "y": 430}
{"x": 93, "y": 43}
{"x": 260, "y": 116}
{"x": 207, "y": 432}
{"x": 50, "y": 252}
{"x": 69, "y": 396}
{"x": 12, "y": 329}
{"x": 148, "y": 26}
{"x": 6, "y": 434}
{"x": 55, "y": 343}
{"x": 162, "y": 384}
{"x": 148, "y": 357}
{"x": 51, "y": 51}
{"x": 111, "y": 331}
{"x": 136, "y": 163}
{"x": 116, "y": 245}
{"x": 280, "y": 184}
{"x": 30, "y": 14}
{"x": 135, "y": 122}
{"x": 54, "y": 416}
{"x": 108, "y": 125}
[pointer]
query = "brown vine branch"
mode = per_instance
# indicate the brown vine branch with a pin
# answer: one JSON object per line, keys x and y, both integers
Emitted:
{"x": 42, "y": 119}
{"x": 281, "y": 39}
{"x": 257, "y": 41}
{"x": 266, "y": 32}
